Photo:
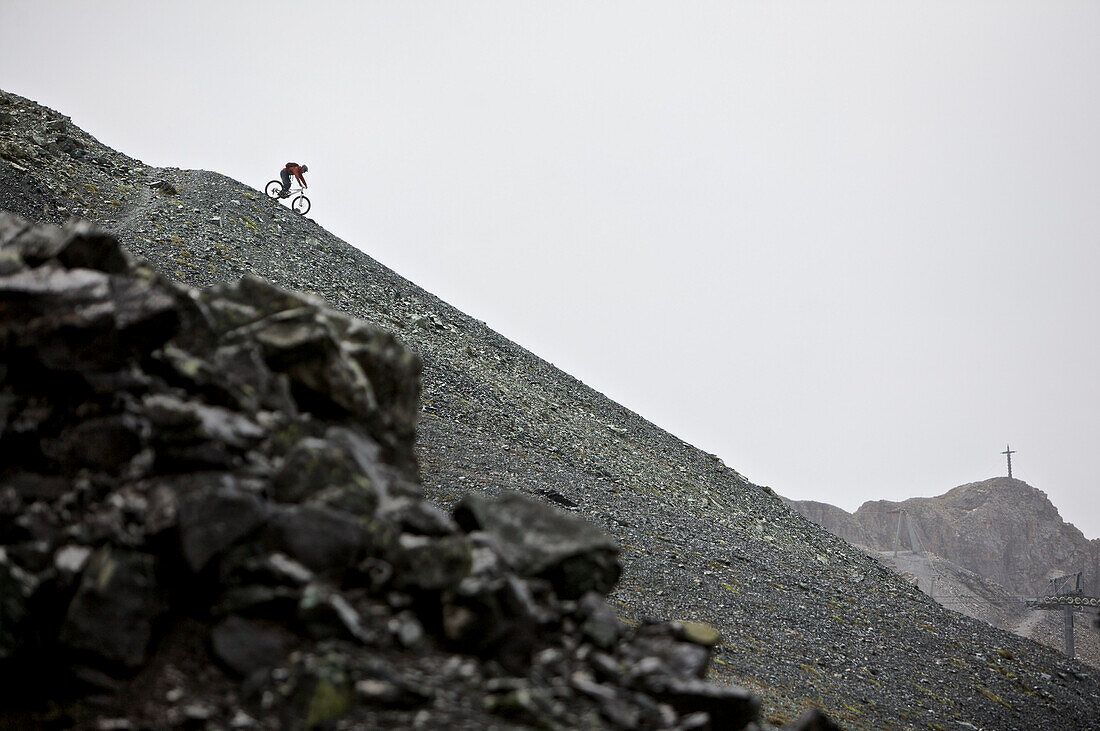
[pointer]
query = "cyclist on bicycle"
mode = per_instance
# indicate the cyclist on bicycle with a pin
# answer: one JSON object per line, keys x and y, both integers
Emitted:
{"x": 292, "y": 168}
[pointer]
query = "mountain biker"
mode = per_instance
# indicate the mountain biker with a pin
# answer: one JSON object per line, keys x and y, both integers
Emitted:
{"x": 292, "y": 168}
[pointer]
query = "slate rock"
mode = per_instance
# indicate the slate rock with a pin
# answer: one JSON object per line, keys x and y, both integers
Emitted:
{"x": 13, "y": 609}
{"x": 537, "y": 540}
{"x": 664, "y": 647}
{"x": 504, "y": 617}
{"x": 427, "y": 564}
{"x": 246, "y": 646}
{"x": 325, "y": 613}
{"x": 84, "y": 245}
{"x": 105, "y": 443}
{"x": 419, "y": 517}
{"x": 728, "y": 707}
{"x": 390, "y": 693}
{"x": 325, "y": 541}
{"x": 111, "y": 618}
{"x": 210, "y": 522}
{"x": 600, "y": 623}
{"x": 31, "y": 486}
{"x": 315, "y": 464}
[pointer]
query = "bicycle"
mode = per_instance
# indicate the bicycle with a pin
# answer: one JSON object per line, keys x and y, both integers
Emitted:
{"x": 299, "y": 205}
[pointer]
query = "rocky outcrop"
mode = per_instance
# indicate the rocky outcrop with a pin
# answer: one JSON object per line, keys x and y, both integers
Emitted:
{"x": 210, "y": 517}
{"x": 1002, "y": 529}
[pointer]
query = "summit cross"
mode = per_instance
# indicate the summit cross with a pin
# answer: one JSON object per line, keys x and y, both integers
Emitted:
{"x": 1009, "y": 451}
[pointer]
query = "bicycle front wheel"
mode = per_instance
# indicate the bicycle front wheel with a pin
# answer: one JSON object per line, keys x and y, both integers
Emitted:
{"x": 300, "y": 205}
{"x": 274, "y": 188}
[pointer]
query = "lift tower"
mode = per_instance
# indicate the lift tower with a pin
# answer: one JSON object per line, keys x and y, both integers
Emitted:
{"x": 1065, "y": 594}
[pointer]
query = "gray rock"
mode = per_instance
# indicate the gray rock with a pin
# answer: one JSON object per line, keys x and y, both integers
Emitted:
{"x": 315, "y": 465}
{"x": 212, "y": 521}
{"x": 536, "y": 540}
{"x": 106, "y": 443}
{"x": 325, "y": 613}
{"x": 263, "y": 443}
{"x": 111, "y": 618}
{"x": 323, "y": 540}
{"x": 426, "y": 564}
{"x": 728, "y": 707}
{"x": 390, "y": 693}
{"x": 600, "y": 624}
{"x": 246, "y": 646}
{"x": 13, "y": 609}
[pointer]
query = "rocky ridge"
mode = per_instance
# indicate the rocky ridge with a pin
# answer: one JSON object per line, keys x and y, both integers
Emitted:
{"x": 804, "y": 617}
{"x": 1002, "y": 528}
{"x": 998, "y": 540}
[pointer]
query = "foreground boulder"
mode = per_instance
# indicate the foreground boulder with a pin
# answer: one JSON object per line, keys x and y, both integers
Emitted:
{"x": 210, "y": 517}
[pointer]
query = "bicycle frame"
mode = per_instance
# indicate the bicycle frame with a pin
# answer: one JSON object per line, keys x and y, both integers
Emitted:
{"x": 299, "y": 203}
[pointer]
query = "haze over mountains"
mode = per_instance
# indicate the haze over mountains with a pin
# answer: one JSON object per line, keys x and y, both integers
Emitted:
{"x": 805, "y": 618}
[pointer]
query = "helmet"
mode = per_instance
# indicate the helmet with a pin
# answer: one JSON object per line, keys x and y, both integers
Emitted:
{"x": 305, "y": 168}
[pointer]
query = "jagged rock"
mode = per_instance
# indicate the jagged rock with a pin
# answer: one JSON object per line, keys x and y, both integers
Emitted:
{"x": 325, "y": 541}
{"x": 211, "y": 522}
{"x": 110, "y": 620}
{"x": 195, "y": 436}
{"x": 316, "y": 464}
{"x": 423, "y": 563}
{"x": 419, "y": 518}
{"x": 726, "y": 707}
{"x": 78, "y": 246}
{"x": 983, "y": 545}
{"x": 600, "y": 624}
{"x": 270, "y": 569}
{"x": 106, "y": 443}
{"x": 390, "y": 693}
{"x": 500, "y": 617}
{"x": 13, "y": 608}
{"x": 325, "y": 613}
{"x": 33, "y": 487}
{"x": 246, "y": 646}
{"x": 536, "y": 540}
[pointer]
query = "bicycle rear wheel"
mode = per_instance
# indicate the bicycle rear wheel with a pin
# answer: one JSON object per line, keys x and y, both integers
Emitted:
{"x": 274, "y": 188}
{"x": 300, "y": 205}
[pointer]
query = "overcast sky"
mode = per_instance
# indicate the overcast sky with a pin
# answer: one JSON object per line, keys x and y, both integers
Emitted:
{"x": 850, "y": 247}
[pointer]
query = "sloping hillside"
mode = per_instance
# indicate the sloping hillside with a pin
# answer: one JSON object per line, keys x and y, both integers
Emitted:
{"x": 805, "y": 617}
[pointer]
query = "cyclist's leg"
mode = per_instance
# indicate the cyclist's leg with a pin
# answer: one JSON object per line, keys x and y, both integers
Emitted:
{"x": 286, "y": 181}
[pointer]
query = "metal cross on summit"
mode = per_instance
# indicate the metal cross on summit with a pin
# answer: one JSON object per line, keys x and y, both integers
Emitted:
{"x": 1009, "y": 451}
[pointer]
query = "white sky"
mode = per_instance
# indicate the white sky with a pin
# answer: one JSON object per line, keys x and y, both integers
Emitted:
{"x": 850, "y": 247}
